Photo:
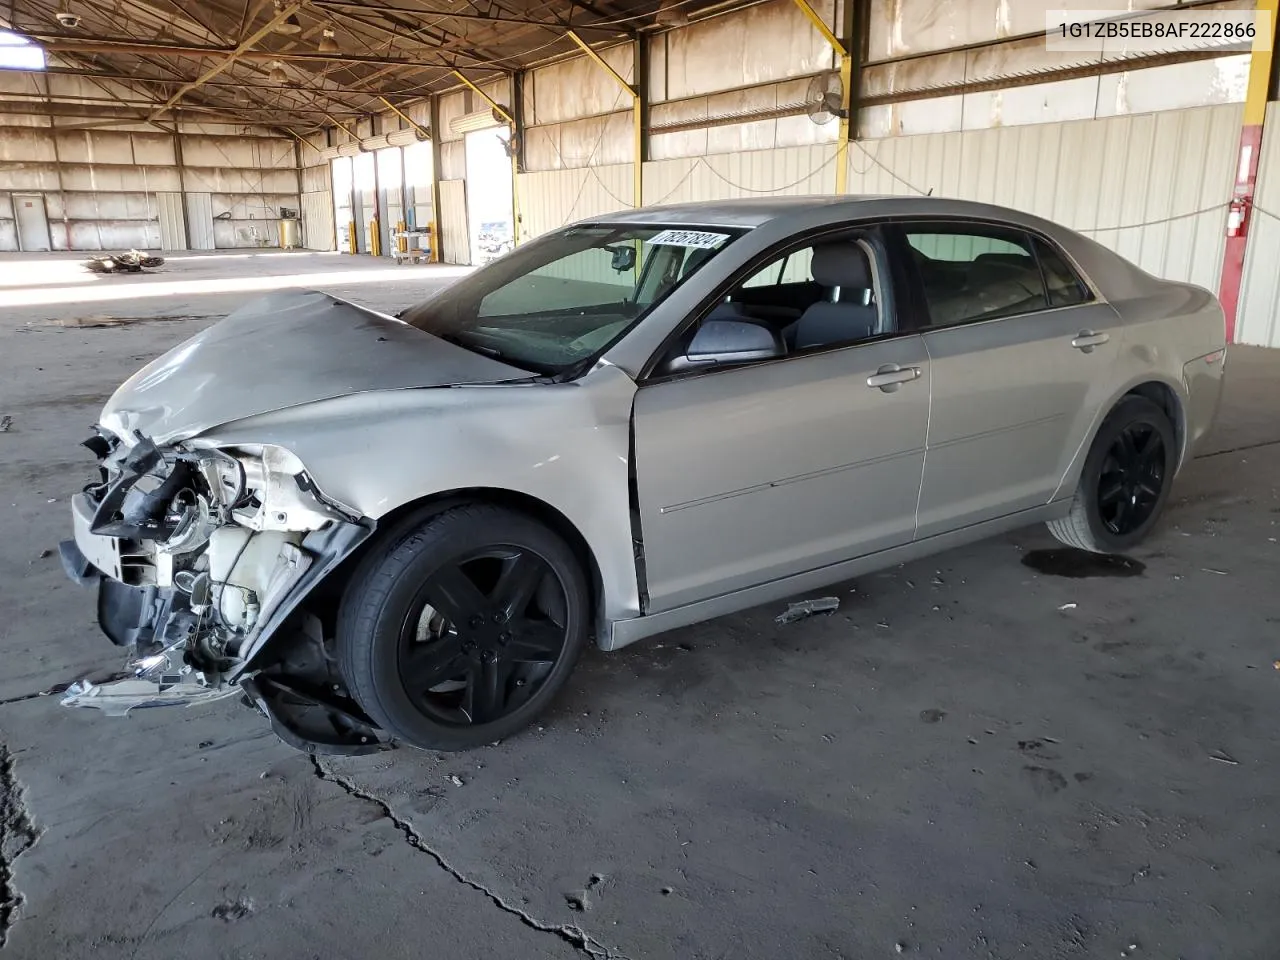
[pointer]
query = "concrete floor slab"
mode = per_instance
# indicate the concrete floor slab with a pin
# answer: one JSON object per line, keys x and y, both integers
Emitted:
{"x": 968, "y": 759}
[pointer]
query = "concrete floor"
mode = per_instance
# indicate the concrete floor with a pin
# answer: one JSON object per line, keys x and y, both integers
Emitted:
{"x": 968, "y": 760}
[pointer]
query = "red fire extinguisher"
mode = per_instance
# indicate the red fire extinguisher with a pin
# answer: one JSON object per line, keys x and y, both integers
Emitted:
{"x": 1238, "y": 216}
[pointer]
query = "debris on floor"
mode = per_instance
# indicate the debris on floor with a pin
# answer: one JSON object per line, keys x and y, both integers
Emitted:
{"x": 132, "y": 262}
{"x": 1220, "y": 573}
{"x": 5, "y": 423}
{"x": 1223, "y": 757}
{"x": 1067, "y": 606}
{"x": 117, "y": 698}
{"x": 455, "y": 780}
{"x": 807, "y": 608}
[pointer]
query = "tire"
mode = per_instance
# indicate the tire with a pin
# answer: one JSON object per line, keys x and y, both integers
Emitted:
{"x": 462, "y": 630}
{"x": 1119, "y": 499}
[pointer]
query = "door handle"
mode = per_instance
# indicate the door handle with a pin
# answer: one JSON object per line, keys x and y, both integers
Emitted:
{"x": 1087, "y": 340}
{"x": 889, "y": 377}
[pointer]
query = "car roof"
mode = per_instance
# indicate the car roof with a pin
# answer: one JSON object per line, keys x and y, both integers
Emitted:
{"x": 751, "y": 212}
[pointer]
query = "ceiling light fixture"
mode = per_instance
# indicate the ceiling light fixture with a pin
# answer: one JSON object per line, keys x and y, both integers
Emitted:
{"x": 327, "y": 42}
{"x": 277, "y": 74}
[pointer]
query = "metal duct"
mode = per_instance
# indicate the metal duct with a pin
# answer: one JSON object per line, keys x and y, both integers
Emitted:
{"x": 397, "y": 138}
{"x": 480, "y": 120}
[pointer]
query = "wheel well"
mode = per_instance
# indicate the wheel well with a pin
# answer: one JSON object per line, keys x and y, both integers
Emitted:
{"x": 1163, "y": 396}
{"x": 415, "y": 512}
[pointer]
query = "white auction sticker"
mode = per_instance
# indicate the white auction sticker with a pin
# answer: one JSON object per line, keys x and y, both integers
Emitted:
{"x": 689, "y": 238}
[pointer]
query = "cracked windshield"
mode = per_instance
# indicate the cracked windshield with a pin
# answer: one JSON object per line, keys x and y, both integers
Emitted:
{"x": 551, "y": 305}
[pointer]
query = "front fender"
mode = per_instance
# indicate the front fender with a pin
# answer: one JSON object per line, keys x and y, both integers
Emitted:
{"x": 565, "y": 444}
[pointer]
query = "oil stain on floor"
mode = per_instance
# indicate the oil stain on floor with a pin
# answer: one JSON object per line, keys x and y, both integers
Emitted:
{"x": 1081, "y": 564}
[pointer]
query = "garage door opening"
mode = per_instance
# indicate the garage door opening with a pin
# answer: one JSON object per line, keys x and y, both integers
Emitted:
{"x": 490, "y": 215}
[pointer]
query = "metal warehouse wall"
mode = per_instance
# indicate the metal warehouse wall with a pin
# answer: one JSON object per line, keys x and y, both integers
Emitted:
{"x": 1258, "y": 318}
{"x": 101, "y": 184}
{"x": 1153, "y": 187}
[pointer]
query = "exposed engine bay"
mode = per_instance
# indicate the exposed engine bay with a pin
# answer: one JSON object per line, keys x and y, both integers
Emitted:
{"x": 203, "y": 558}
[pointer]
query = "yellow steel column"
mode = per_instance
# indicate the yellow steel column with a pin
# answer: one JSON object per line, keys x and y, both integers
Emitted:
{"x": 637, "y": 120}
{"x": 846, "y": 91}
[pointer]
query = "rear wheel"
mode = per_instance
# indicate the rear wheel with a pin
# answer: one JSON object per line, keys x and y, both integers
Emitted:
{"x": 462, "y": 632}
{"x": 1125, "y": 480}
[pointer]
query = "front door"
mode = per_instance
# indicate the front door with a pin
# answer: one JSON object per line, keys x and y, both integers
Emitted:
{"x": 753, "y": 473}
{"x": 1019, "y": 354}
{"x": 33, "y": 224}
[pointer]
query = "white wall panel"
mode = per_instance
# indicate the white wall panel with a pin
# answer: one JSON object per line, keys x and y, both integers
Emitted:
{"x": 1152, "y": 187}
{"x": 317, "y": 220}
{"x": 173, "y": 229}
{"x": 1258, "y": 314}
{"x": 455, "y": 238}
{"x": 790, "y": 171}
{"x": 577, "y": 87}
{"x": 553, "y": 198}
{"x": 767, "y": 42}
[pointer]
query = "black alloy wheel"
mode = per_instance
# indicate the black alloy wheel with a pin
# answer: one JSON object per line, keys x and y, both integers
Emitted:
{"x": 463, "y": 629}
{"x": 1131, "y": 479}
{"x": 1125, "y": 480}
{"x": 482, "y": 635}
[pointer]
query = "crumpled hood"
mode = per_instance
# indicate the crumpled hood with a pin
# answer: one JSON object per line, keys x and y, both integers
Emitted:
{"x": 283, "y": 350}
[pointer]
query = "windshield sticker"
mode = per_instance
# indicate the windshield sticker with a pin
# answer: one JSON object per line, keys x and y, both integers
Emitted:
{"x": 689, "y": 238}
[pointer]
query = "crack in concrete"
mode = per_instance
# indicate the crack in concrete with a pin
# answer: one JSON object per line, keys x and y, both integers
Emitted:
{"x": 1239, "y": 449}
{"x": 568, "y": 932}
{"x": 18, "y": 834}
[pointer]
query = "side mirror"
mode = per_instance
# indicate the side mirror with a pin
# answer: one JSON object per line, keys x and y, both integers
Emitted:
{"x": 721, "y": 342}
{"x": 624, "y": 258}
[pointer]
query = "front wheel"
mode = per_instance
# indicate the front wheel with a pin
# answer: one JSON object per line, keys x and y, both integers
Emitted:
{"x": 464, "y": 631}
{"x": 1125, "y": 481}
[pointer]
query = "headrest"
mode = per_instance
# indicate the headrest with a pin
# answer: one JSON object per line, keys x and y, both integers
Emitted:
{"x": 841, "y": 265}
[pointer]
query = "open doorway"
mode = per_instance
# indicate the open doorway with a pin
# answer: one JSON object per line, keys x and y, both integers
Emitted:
{"x": 490, "y": 214}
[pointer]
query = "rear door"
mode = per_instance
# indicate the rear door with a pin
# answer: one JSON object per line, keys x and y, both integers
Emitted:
{"x": 1020, "y": 353}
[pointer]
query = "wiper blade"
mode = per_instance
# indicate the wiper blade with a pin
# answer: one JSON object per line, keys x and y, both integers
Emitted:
{"x": 471, "y": 345}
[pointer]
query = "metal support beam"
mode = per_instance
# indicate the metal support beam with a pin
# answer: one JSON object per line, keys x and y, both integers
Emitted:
{"x": 846, "y": 88}
{"x": 1255, "y": 113}
{"x": 437, "y": 248}
{"x": 498, "y": 108}
{"x": 637, "y": 113}
{"x": 469, "y": 17}
{"x": 245, "y": 45}
{"x": 58, "y": 44}
{"x": 422, "y": 134}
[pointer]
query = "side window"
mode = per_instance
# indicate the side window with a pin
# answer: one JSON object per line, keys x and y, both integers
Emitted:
{"x": 1065, "y": 288}
{"x": 975, "y": 272}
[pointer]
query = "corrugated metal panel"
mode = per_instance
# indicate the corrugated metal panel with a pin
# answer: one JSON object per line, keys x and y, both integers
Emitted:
{"x": 1258, "y": 317}
{"x": 455, "y": 238}
{"x": 552, "y": 198}
{"x": 200, "y": 220}
{"x": 317, "y": 220}
{"x": 1152, "y": 187}
{"x": 173, "y": 229}
{"x": 792, "y": 170}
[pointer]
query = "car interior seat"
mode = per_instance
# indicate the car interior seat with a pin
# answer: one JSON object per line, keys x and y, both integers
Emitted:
{"x": 849, "y": 313}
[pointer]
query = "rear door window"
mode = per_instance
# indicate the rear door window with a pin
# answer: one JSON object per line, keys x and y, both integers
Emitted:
{"x": 974, "y": 272}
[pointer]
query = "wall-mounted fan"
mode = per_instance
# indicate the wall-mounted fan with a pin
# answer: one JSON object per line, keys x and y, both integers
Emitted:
{"x": 823, "y": 98}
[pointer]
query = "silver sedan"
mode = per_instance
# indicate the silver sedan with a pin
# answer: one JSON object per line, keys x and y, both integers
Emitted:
{"x": 408, "y": 529}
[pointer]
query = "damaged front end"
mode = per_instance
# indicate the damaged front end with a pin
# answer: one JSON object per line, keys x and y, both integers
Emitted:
{"x": 206, "y": 560}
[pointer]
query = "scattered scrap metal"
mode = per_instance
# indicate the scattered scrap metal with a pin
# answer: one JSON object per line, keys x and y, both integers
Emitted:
{"x": 132, "y": 262}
